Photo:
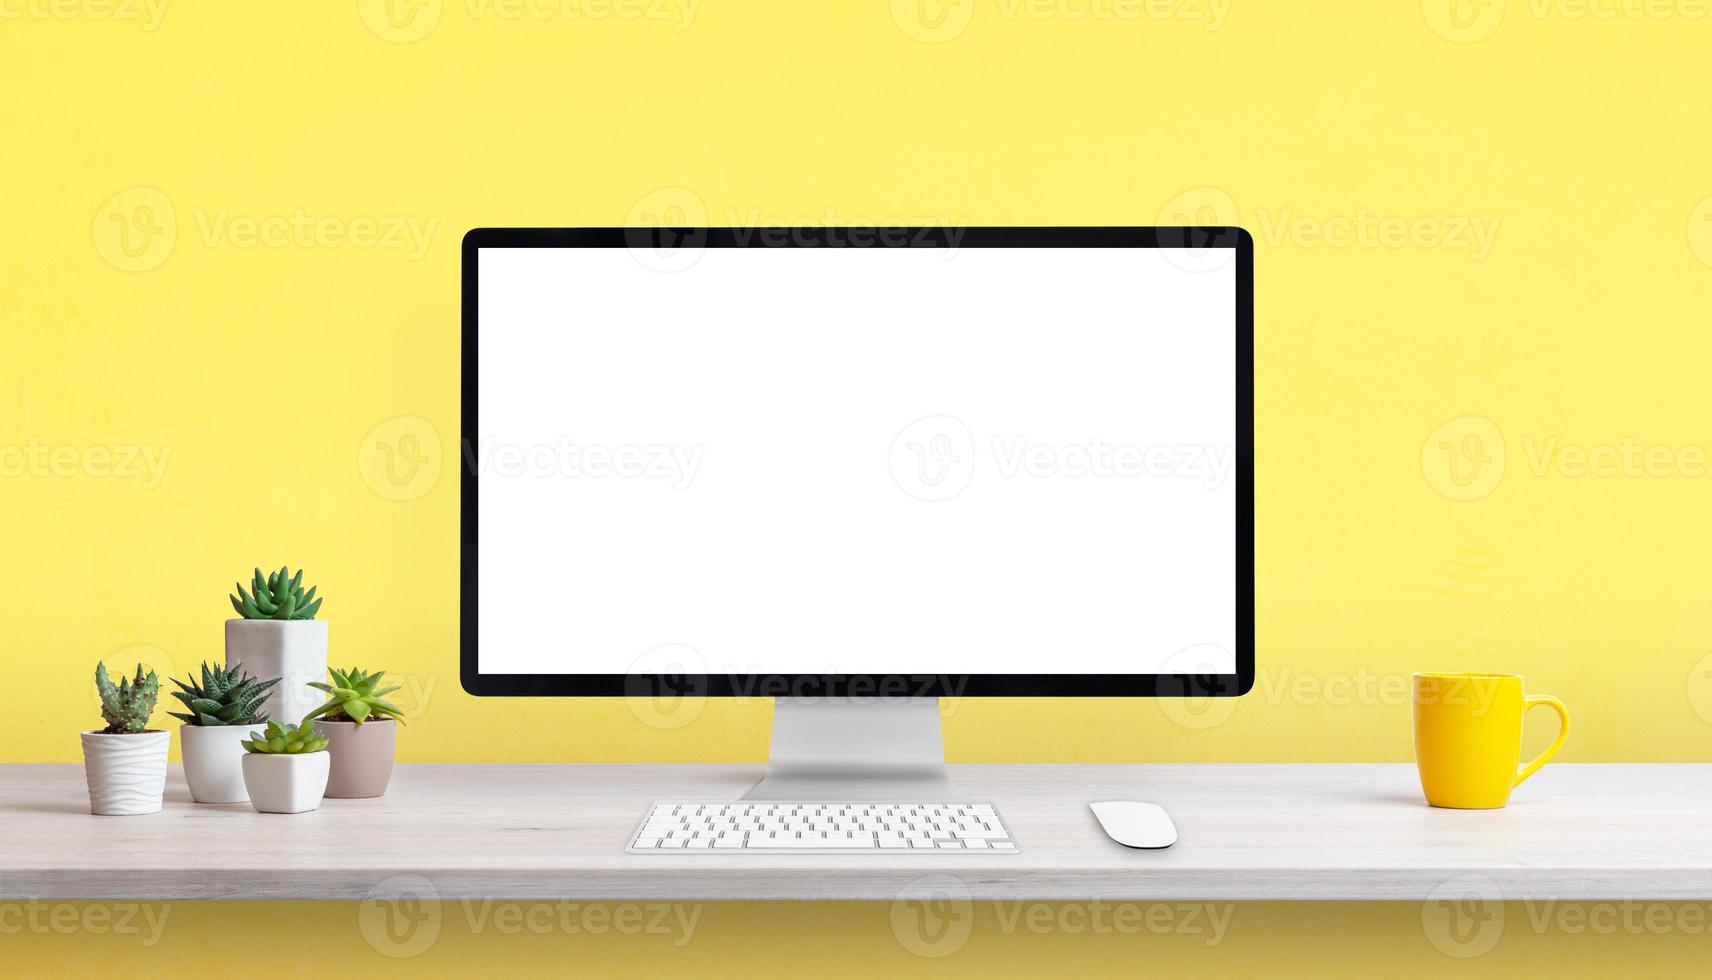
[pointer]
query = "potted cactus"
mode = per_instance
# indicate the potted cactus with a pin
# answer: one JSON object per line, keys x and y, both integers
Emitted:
{"x": 279, "y": 637}
{"x": 220, "y": 710}
{"x": 360, "y": 728}
{"x": 285, "y": 768}
{"x": 125, "y": 762}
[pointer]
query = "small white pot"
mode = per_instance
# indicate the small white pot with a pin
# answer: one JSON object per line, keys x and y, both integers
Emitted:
{"x": 126, "y": 773}
{"x": 293, "y": 650}
{"x": 213, "y": 761}
{"x": 285, "y": 783}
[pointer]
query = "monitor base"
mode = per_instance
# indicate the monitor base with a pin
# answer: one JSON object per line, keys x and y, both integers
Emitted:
{"x": 836, "y": 749}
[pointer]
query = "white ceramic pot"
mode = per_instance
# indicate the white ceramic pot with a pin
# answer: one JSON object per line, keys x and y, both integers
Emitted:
{"x": 362, "y": 756}
{"x": 126, "y": 773}
{"x": 213, "y": 761}
{"x": 285, "y": 783}
{"x": 293, "y": 650}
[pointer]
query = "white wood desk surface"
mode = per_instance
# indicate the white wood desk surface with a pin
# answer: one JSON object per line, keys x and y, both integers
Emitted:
{"x": 1247, "y": 832}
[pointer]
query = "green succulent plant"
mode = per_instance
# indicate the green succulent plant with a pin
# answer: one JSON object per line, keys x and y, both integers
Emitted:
{"x": 225, "y": 696}
{"x": 279, "y": 739}
{"x": 278, "y": 595}
{"x": 352, "y": 697}
{"x": 127, "y": 706}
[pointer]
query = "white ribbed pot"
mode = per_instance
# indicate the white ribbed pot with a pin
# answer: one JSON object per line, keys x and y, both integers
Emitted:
{"x": 213, "y": 761}
{"x": 283, "y": 783}
{"x": 126, "y": 773}
{"x": 295, "y": 651}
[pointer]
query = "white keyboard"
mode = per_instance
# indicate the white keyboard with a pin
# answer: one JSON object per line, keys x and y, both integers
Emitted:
{"x": 897, "y": 828}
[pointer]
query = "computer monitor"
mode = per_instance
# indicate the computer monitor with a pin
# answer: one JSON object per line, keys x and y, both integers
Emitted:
{"x": 857, "y": 470}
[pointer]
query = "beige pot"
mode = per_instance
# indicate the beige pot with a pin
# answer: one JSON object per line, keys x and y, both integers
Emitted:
{"x": 362, "y": 757}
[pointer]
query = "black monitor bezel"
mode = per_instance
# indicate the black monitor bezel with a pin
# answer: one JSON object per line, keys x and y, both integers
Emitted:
{"x": 856, "y": 685}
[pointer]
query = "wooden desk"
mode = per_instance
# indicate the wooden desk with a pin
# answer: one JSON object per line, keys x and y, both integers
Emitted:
{"x": 1247, "y": 832}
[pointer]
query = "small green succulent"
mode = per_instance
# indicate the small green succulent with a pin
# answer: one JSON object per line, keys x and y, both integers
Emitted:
{"x": 280, "y": 739}
{"x": 278, "y": 595}
{"x": 225, "y": 696}
{"x": 126, "y": 707}
{"x": 352, "y": 697}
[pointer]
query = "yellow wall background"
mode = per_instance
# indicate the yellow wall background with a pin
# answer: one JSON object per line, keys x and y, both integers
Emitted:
{"x": 1484, "y": 261}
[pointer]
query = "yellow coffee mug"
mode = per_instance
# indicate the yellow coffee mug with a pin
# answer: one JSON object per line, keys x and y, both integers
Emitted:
{"x": 1468, "y": 737}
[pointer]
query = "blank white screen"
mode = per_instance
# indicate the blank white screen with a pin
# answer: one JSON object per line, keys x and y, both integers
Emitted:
{"x": 878, "y": 461}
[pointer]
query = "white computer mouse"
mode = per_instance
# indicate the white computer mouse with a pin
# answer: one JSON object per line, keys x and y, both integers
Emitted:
{"x": 1136, "y": 824}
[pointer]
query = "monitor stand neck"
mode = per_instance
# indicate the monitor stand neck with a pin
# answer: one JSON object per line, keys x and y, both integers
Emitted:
{"x": 874, "y": 749}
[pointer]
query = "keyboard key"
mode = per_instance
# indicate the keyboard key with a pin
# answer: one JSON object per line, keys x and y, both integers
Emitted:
{"x": 786, "y": 843}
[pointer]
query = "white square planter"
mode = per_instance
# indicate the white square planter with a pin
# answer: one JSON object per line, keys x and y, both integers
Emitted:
{"x": 286, "y": 783}
{"x": 213, "y": 761}
{"x": 126, "y": 773}
{"x": 295, "y": 651}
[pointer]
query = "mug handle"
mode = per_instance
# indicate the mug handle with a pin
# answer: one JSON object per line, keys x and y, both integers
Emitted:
{"x": 1562, "y": 733}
